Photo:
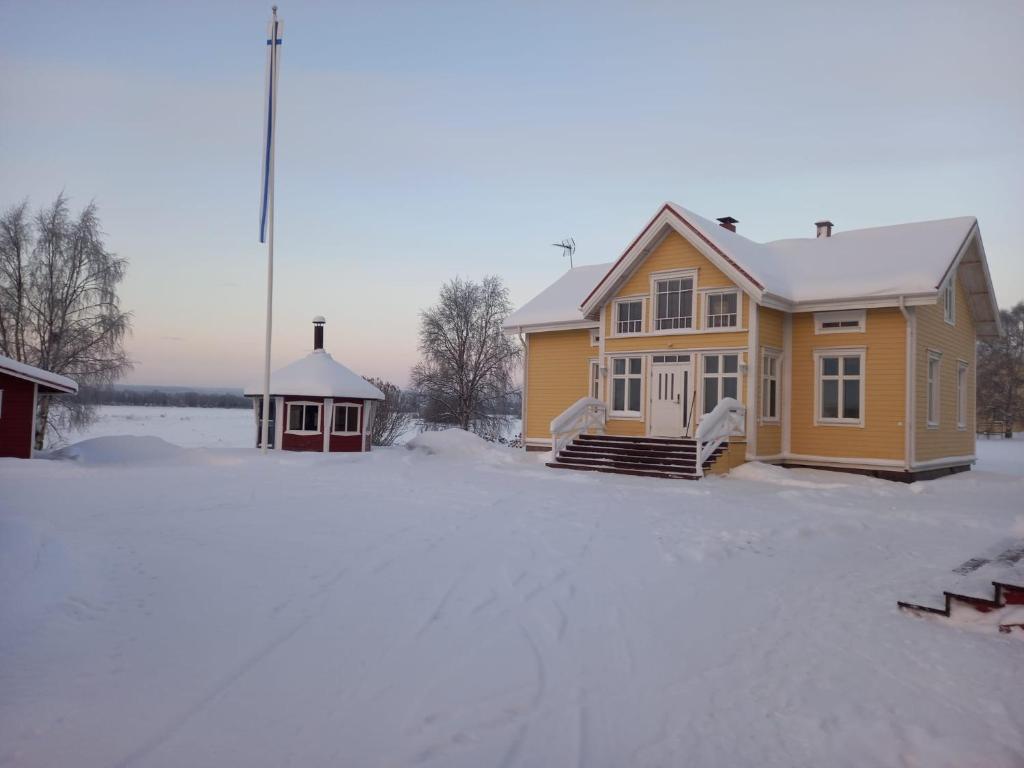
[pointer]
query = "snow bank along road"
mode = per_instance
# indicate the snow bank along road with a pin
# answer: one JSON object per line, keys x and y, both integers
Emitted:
{"x": 460, "y": 605}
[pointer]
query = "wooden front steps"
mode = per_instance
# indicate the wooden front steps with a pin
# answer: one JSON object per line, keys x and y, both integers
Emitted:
{"x": 674, "y": 458}
{"x": 1003, "y": 595}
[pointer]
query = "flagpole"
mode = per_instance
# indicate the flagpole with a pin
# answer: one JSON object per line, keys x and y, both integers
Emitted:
{"x": 268, "y": 210}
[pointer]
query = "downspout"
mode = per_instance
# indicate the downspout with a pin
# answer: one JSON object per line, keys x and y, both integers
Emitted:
{"x": 910, "y": 387}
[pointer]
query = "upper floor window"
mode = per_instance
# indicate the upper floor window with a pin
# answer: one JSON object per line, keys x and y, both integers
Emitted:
{"x": 629, "y": 316}
{"x": 673, "y": 303}
{"x": 851, "y": 321}
{"x": 626, "y": 383}
{"x": 722, "y": 309}
{"x": 949, "y": 299}
{"x": 721, "y": 379}
{"x": 304, "y": 417}
{"x": 840, "y": 387}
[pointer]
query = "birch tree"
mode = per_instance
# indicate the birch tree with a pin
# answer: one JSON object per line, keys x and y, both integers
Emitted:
{"x": 466, "y": 374}
{"x": 390, "y": 420}
{"x": 59, "y": 308}
{"x": 1001, "y": 373}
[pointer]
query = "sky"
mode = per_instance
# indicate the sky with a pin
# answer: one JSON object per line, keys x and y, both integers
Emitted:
{"x": 422, "y": 141}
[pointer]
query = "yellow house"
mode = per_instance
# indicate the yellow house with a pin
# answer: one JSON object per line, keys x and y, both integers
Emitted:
{"x": 699, "y": 349}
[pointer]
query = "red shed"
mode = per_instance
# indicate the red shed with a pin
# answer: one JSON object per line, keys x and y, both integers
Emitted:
{"x": 20, "y": 388}
{"x": 325, "y": 406}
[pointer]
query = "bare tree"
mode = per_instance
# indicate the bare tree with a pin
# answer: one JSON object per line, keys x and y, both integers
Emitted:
{"x": 466, "y": 374}
{"x": 1001, "y": 372}
{"x": 59, "y": 308}
{"x": 390, "y": 421}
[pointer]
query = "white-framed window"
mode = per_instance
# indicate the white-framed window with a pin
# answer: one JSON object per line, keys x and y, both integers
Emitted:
{"x": 721, "y": 379}
{"x": 721, "y": 309}
{"x": 627, "y": 381}
{"x": 849, "y": 321}
{"x": 961, "y": 395}
{"x": 949, "y": 299}
{"x": 347, "y": 419}
{"x": 595, "y": 337}
{"x": 594, "y": 379}
{"x": 934, "y": 387}
{"x": 673, "y": 302}
{"x": 770, "y": 386}
{"x": 840, "y": 386}
{"x": 629, "y": 316}
{"x": 303, "y": 418}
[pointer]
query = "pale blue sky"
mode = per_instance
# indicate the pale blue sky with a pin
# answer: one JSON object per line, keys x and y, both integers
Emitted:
{"x": 418, "y": 141}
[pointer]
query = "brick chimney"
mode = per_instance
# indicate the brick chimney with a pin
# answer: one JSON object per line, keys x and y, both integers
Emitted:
{"x": 318, "y": 333}
{"x": 824, "y": 228}
{"x": 729, "y": 223}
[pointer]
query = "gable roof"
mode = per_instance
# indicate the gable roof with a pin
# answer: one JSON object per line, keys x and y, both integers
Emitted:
{"x": 318, "y": 375}
{"x": 51, "y": 383}
{"x": 559, "y": 303}
{"x": 879, "y": 266}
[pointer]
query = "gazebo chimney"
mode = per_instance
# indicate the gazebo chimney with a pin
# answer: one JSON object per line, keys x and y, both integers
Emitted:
{"x": 318, "y": 333}
{"x": 824, "y": 228}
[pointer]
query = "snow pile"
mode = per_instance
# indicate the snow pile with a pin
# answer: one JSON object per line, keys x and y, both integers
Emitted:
{"x": 794, "y": 478}
{"x": 458, "y": 444}
{"x": 560, "y": 301}
{"x": 121, "y": 449}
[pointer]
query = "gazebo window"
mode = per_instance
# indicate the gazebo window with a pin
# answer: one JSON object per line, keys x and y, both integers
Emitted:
{"x": 304, "y": 418}
{"x": 347, "y": 419}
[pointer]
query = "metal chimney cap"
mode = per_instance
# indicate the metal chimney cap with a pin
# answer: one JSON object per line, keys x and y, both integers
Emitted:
{"x": 319, "y": 319}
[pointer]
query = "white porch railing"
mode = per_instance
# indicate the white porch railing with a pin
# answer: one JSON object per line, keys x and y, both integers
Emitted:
{"x": 725, "y": 419}
{"x": 586, "y": 413}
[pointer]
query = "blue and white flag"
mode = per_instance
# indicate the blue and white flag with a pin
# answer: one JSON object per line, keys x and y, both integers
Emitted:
{"x": 274, "y": 32}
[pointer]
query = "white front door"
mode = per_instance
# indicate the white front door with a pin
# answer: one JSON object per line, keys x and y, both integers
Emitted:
{"x": 671, "y": 395}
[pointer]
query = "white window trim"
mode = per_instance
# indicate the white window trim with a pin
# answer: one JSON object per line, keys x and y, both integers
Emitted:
{"x": 706, "y": 305}
{"x": 776, "y": 354}
{"x": 949, "y": 299}
{"x": 672, "y": 274}
{"x": 700, "y": 375}
{"x": 860, "y": 315}
{"x": 615, "y": 316}
{"x": 359, "y": 418}
{"x": 962, "y": 369}
{"x": 933, "y": 394}
{"x": 287, "y": 417}
{"x": 861, "y": 352}
{"x": 611, "y": 387}
{"x": 591, "y": 362}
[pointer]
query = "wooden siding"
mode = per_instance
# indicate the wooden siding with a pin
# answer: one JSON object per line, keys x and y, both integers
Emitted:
{"x": 956, "y": 343}
{"x": 883, "y": 434}
{"x": 674, "y": 252}
{"x": 17, "y": 418}
{"x": 557, "y": 375}
{"x": 769, "y": 328}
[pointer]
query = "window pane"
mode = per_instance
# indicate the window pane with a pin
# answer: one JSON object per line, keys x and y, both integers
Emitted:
{"x": 353, "y": 419}
{"x": 636, "y": 310}
{"x": 673, "y": 305}
{"x": 619, "y": 366}
{"x": 711, "y": 364}
{"x": 830, "y": 366}
{"x": 311, "y": 422}
{"x": 687, "y": 305}
{"x": 851, "y": 399}
{"x": 730, "y": 363}
{"x": 730, "y": 303}
{"x": 294, "y": 417}
{"x": 851, "y": 366}
{"x": 730, "y": 385}
{"x": 710, "y": 393}
{"x": 623, "y": 312}
{"x": 662, "y": 305}
{"x": 635, "y": 364}
{"x": 634, "y": 395}
{"x": 773, "y": 387}
{"x": 715, "y": 304}
{"x": 619, "y": 395}
{"x": 830, "y": 399}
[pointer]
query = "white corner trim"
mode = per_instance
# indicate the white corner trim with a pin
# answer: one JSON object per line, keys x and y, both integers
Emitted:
{"x": 753, "y": 380}
{"x": 279, "y": 417}
{"x": 328, "y": 422}
{"x": 787, "y": 381}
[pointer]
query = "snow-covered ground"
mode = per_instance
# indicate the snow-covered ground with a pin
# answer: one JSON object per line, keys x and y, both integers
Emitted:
{"x": 458, "y": 604}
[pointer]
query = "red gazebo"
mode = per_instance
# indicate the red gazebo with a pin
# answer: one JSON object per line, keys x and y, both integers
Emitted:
{"x": 325, "y": 406}
{"x": 20, "y": 387}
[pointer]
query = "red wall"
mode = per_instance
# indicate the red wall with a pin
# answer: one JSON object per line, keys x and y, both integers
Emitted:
{"x": 16, "y": 417}
{"x": 338, "y": 443}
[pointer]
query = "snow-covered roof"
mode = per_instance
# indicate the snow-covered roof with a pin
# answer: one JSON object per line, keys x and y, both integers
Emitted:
{"x": 559, "y": 303}
{"x": 318, "y": 375}
{"x": 49, "y": 381}
{"x": 879, "y": 266}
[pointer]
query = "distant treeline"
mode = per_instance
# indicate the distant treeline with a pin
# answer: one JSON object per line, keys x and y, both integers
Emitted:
{"x": 157, "y": 397}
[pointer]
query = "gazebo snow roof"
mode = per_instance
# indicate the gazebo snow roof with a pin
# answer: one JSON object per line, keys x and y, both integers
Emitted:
{"x": 318, "y": 375}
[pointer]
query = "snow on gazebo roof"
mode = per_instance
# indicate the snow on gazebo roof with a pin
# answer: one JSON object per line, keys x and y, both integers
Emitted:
{"x": 318, "y": 375}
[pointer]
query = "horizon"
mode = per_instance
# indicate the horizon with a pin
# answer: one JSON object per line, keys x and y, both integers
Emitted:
{"x": 477, "y": 138}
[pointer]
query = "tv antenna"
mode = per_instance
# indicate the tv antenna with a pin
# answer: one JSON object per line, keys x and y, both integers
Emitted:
{"x": 568, "y": 246}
